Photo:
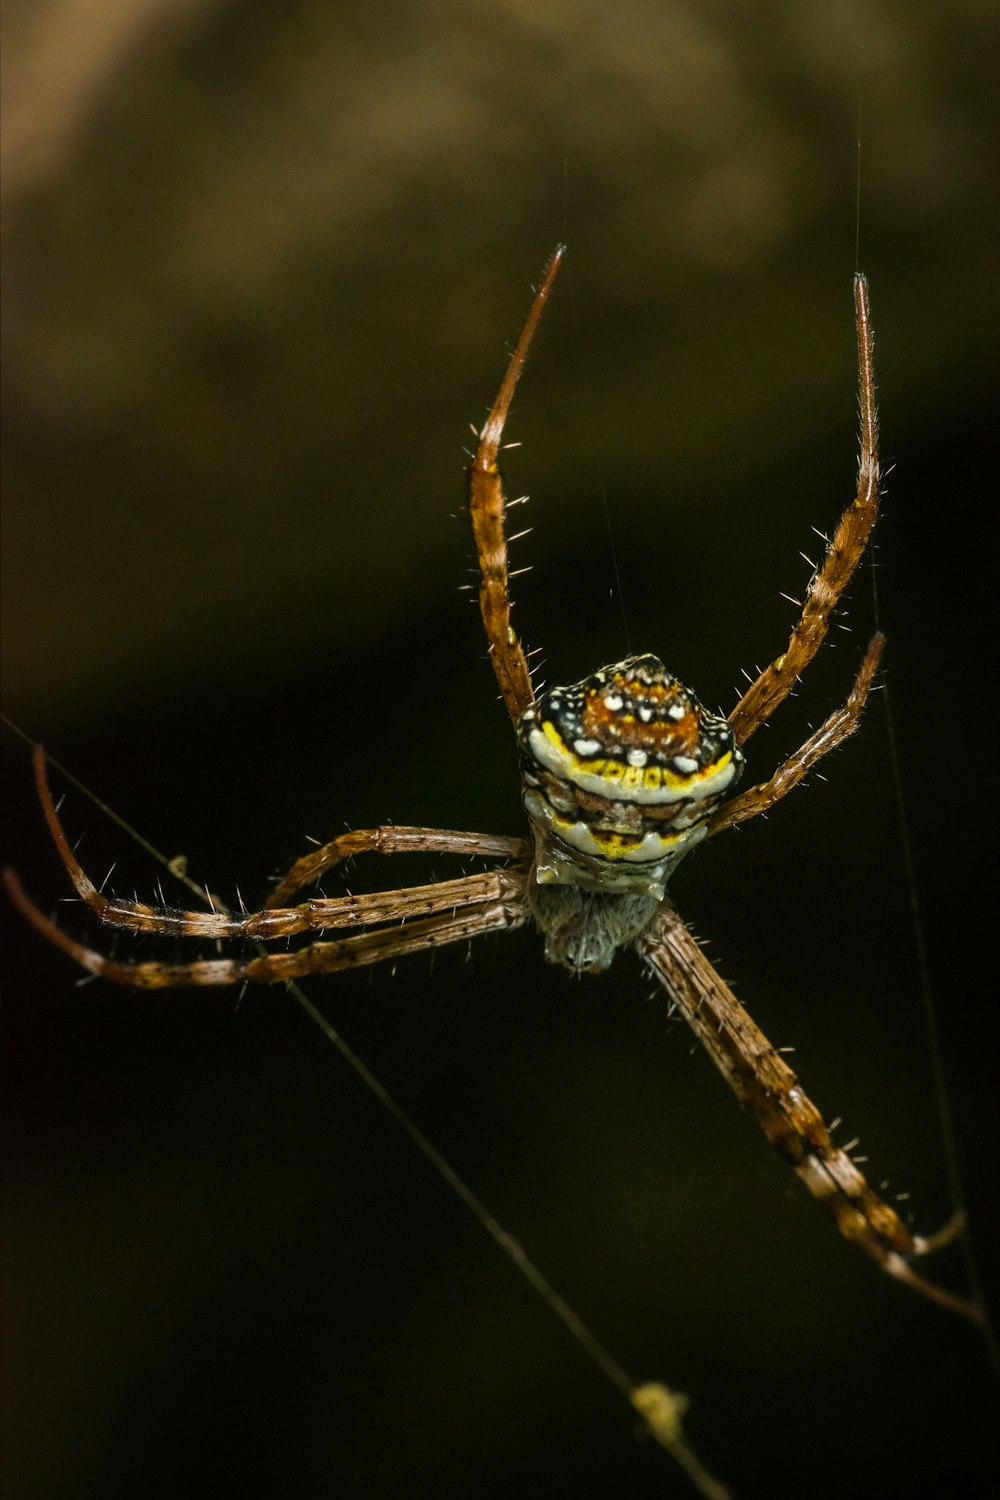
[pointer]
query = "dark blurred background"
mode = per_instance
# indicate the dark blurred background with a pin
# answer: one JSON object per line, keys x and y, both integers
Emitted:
{"x": 263, "y": 267}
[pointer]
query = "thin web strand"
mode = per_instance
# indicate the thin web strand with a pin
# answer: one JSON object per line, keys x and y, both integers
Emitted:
{"x": 928, "y": 999}
{"x": 932, "y": 1028}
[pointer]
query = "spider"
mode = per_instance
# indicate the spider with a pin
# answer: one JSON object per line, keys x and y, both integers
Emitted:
{"x": 623, "y": 774}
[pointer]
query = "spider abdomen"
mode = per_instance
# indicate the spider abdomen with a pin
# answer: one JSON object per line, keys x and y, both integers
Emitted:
{"x": 621, "y": 772}
{"x": 584, "y": 929}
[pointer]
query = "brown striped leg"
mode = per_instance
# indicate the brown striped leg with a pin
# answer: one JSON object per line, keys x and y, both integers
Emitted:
{"x": 391, "y": 839}
{"x": 487, "y": 505}
{"x": 505, "y": 910}
{"x": 342, "y": 911}
{"x": 828, "y": 736}
{"x": 843, "y": 553}
{"x": 761, "y": 1079}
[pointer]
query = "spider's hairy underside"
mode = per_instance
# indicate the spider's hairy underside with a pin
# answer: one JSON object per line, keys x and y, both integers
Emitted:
{"x": 623, "y": 774}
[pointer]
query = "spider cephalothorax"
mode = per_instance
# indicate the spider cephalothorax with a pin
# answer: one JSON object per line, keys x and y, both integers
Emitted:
{"x": 621, "y": 773}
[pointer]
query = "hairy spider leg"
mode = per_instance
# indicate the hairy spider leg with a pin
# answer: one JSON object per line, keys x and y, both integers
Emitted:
{"x": 832, "y": 732}
{"x": 392, "y": 839}
{"x": 843, "y": 552}
{"x": 487, "y": 505}
{"x": 468, "y": 905}
{"x": 504, "y": 911}
{"x": 765, "y": 1083}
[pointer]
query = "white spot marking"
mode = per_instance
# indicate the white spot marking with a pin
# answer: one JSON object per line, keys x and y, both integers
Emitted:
{"x": 675, "y": 711}
{"x": 637, "y": 757}
{"x": 586, "y": 747}
{"x": 685, "y": 764}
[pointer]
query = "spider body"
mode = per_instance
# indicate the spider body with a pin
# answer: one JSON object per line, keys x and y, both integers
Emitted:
{"x": 623, "y": 774}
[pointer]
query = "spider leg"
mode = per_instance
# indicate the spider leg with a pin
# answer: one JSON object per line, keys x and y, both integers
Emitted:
{"x": 765, "y": 1083}
{"x": 843, "y": 553}
{"x": 487, "y": 505}
{"x": 390, "y": 839}
{"x": 828, "y": 736}
{"x": 505, "y": 910}
{"x": 320, "y": 913}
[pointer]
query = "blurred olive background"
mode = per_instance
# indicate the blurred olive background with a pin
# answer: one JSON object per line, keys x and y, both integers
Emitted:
{"x": 264, "y": 264}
